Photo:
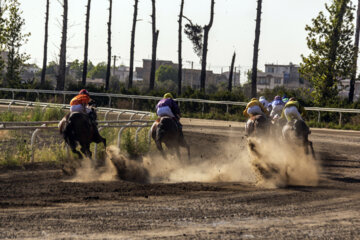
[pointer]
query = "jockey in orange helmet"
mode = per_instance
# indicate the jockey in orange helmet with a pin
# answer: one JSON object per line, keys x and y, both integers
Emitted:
{"x": 79, "y": 102}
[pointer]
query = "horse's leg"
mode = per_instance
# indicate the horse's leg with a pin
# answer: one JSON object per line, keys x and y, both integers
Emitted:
{"x": 312, "y": 149}
{"x": 160, "y": 148}
{"x": 72, "y": 145}
{"x": 177, "y": 150}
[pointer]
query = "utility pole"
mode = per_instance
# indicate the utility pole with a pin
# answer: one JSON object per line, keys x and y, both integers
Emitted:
{"x": 114, "y": 63}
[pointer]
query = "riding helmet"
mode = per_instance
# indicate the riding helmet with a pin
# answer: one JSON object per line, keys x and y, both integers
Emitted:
{"x": 84, "y": 91}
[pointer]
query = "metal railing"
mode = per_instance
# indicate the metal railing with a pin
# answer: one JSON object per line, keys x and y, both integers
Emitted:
{"x": 43, "y": 105}
{"x": 203, "y": 101}
{"x": 44, "y": 125}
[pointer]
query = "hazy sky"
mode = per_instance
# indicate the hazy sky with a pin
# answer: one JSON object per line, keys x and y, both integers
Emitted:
{"x": 282, "y": 40}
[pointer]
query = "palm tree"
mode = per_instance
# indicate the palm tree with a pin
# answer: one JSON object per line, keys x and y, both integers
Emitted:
{"x": 180, "y": 47}
{"x": 205, "y": 45}
{"x": 155, "y": 36}
{"x": 60, "y": 81}
{"x": 256, "y": 50}
{"x": 108, "y": 67}
{"x": 132, "y": 46}
{"x": 86, "y": 48}
{"x": 43, "y": 72}
{"x": 356, "y": 52}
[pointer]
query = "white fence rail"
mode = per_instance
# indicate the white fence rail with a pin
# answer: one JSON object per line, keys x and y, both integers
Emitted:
{"x": 44, "y": 125}
{"x": 133, "y": 97}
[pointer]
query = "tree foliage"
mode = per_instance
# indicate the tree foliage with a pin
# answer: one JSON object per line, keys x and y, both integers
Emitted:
{"x": 99, "y": 71}
{"x": 12, "y": 40}
{"x": 195, "y": 34}
{"x": 166, "y": 72}
{"x": 330, "y": 40}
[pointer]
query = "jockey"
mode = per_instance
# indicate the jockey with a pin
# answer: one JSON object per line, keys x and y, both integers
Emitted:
{"x": 293, "y": 110}
{"x": 277, "y": 107}
{"x": 168, "y": 107}
{"x": 80, "y": 103}
{"x": 254, "y": 107}
{"x": 264, "y": 102}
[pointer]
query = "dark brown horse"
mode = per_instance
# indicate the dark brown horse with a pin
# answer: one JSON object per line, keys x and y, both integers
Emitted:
{"x": 257, "y": 126}
{"x": 78, "y": 128}
{"x": 298, "y": 132}
{"x": 166, "y": 130}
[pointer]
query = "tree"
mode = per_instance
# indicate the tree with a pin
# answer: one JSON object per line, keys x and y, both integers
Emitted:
{"x": 355, "y": 57}
{"x": 155, "y": 36}
{"x": 132, "y": 44}
{"x": 180, "y": 47}
{"x": 60, "y": 78}
{"x": 231, "y": 72}
{"x": 205, "y": 49}
{"x": 3, "y": 8}
{"x": 195, "y": 34}
{"x": 256, "y": 50}
{"x": 43, "y": 72}
{"x": 108, "y": 67}
{"x": 86, "y": 47}
{"x": 330, "y": 39}
{"x": 166, "y": 72}
{"x": 14, "y": 40}
{"x": 99, "y": 71}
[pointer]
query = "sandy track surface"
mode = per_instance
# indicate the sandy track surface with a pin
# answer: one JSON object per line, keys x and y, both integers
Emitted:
{"x": 40, "y": 202}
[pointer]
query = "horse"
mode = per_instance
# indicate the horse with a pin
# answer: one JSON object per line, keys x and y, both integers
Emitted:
{"x": 77, "y": 127}
{"x": 166, "y": 130}
{"x": 297, "y": 131}
{"x": 257, "y": 126}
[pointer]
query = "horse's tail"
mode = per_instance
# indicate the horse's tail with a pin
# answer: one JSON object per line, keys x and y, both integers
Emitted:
{"x": 160, "y": 131}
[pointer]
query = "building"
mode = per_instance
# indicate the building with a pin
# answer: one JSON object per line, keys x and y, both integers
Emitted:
{"x": 190, "y": 77}
{"x": 280, "y": 75}
{"x": 344, "y": 88}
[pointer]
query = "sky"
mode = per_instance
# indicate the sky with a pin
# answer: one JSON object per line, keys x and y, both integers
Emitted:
{"x": 282, "y": 39}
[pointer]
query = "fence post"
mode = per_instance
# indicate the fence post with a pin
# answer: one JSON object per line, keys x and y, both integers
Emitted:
{"x": 109, "y": 101}
{"x": 319, "y": 116}
{"x": 13, "y": 95}
{"x": 340, "y": 119}
{"x": 64, "y": 98}
{"x": 33, "y": 140}
{"x": 203, "y": 108}
{"x": 133, "y": 103}
{"x": 227, "y": 108}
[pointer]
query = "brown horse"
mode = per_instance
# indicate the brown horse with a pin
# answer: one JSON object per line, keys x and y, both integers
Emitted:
{"x": 166, "y": 130}
{"x": 78, "y": 128}
{"x": 297, "y": 131}
{"x": 257, "y": 126}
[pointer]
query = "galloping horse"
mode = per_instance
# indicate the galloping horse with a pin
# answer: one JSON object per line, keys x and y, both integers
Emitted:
{"x": 257, "y": 126}
{"x": 165, "y": 130}
{"x": 78, "y": 128}
{"x": 297, "y": 131}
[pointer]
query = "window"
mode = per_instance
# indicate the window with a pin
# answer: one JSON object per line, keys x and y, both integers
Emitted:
{"x": 277, "y": 80}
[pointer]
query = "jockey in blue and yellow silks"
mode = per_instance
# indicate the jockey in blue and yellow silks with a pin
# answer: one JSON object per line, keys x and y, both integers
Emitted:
{"x": 293, "y": 110}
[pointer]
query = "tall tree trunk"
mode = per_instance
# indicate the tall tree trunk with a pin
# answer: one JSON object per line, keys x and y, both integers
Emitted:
{"x": 43, "y": 71}
{"x": 132, "y": 45}
{"x": 108, "y": 67}
{"x": 155, "y": 36}
{"x": 256, "y": 50}
{"x": 60, "y": 81}
{"x": 180, "y": 47}
{"x": 205, "y": 45}
{"x": 356, "y": 52}
{"x": 231, "y": 73}
{"x": 86, "y": 48}
{"x": 339, "y": 18}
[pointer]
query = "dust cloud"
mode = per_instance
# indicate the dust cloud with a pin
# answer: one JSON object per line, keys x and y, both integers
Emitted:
{"x": 278, "y": 164}
{"x": 267, "y": 164}
{"x": 88, "y": 172}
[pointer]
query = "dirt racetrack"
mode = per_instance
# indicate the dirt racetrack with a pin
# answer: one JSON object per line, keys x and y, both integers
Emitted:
{"x": 40, "y": 202}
